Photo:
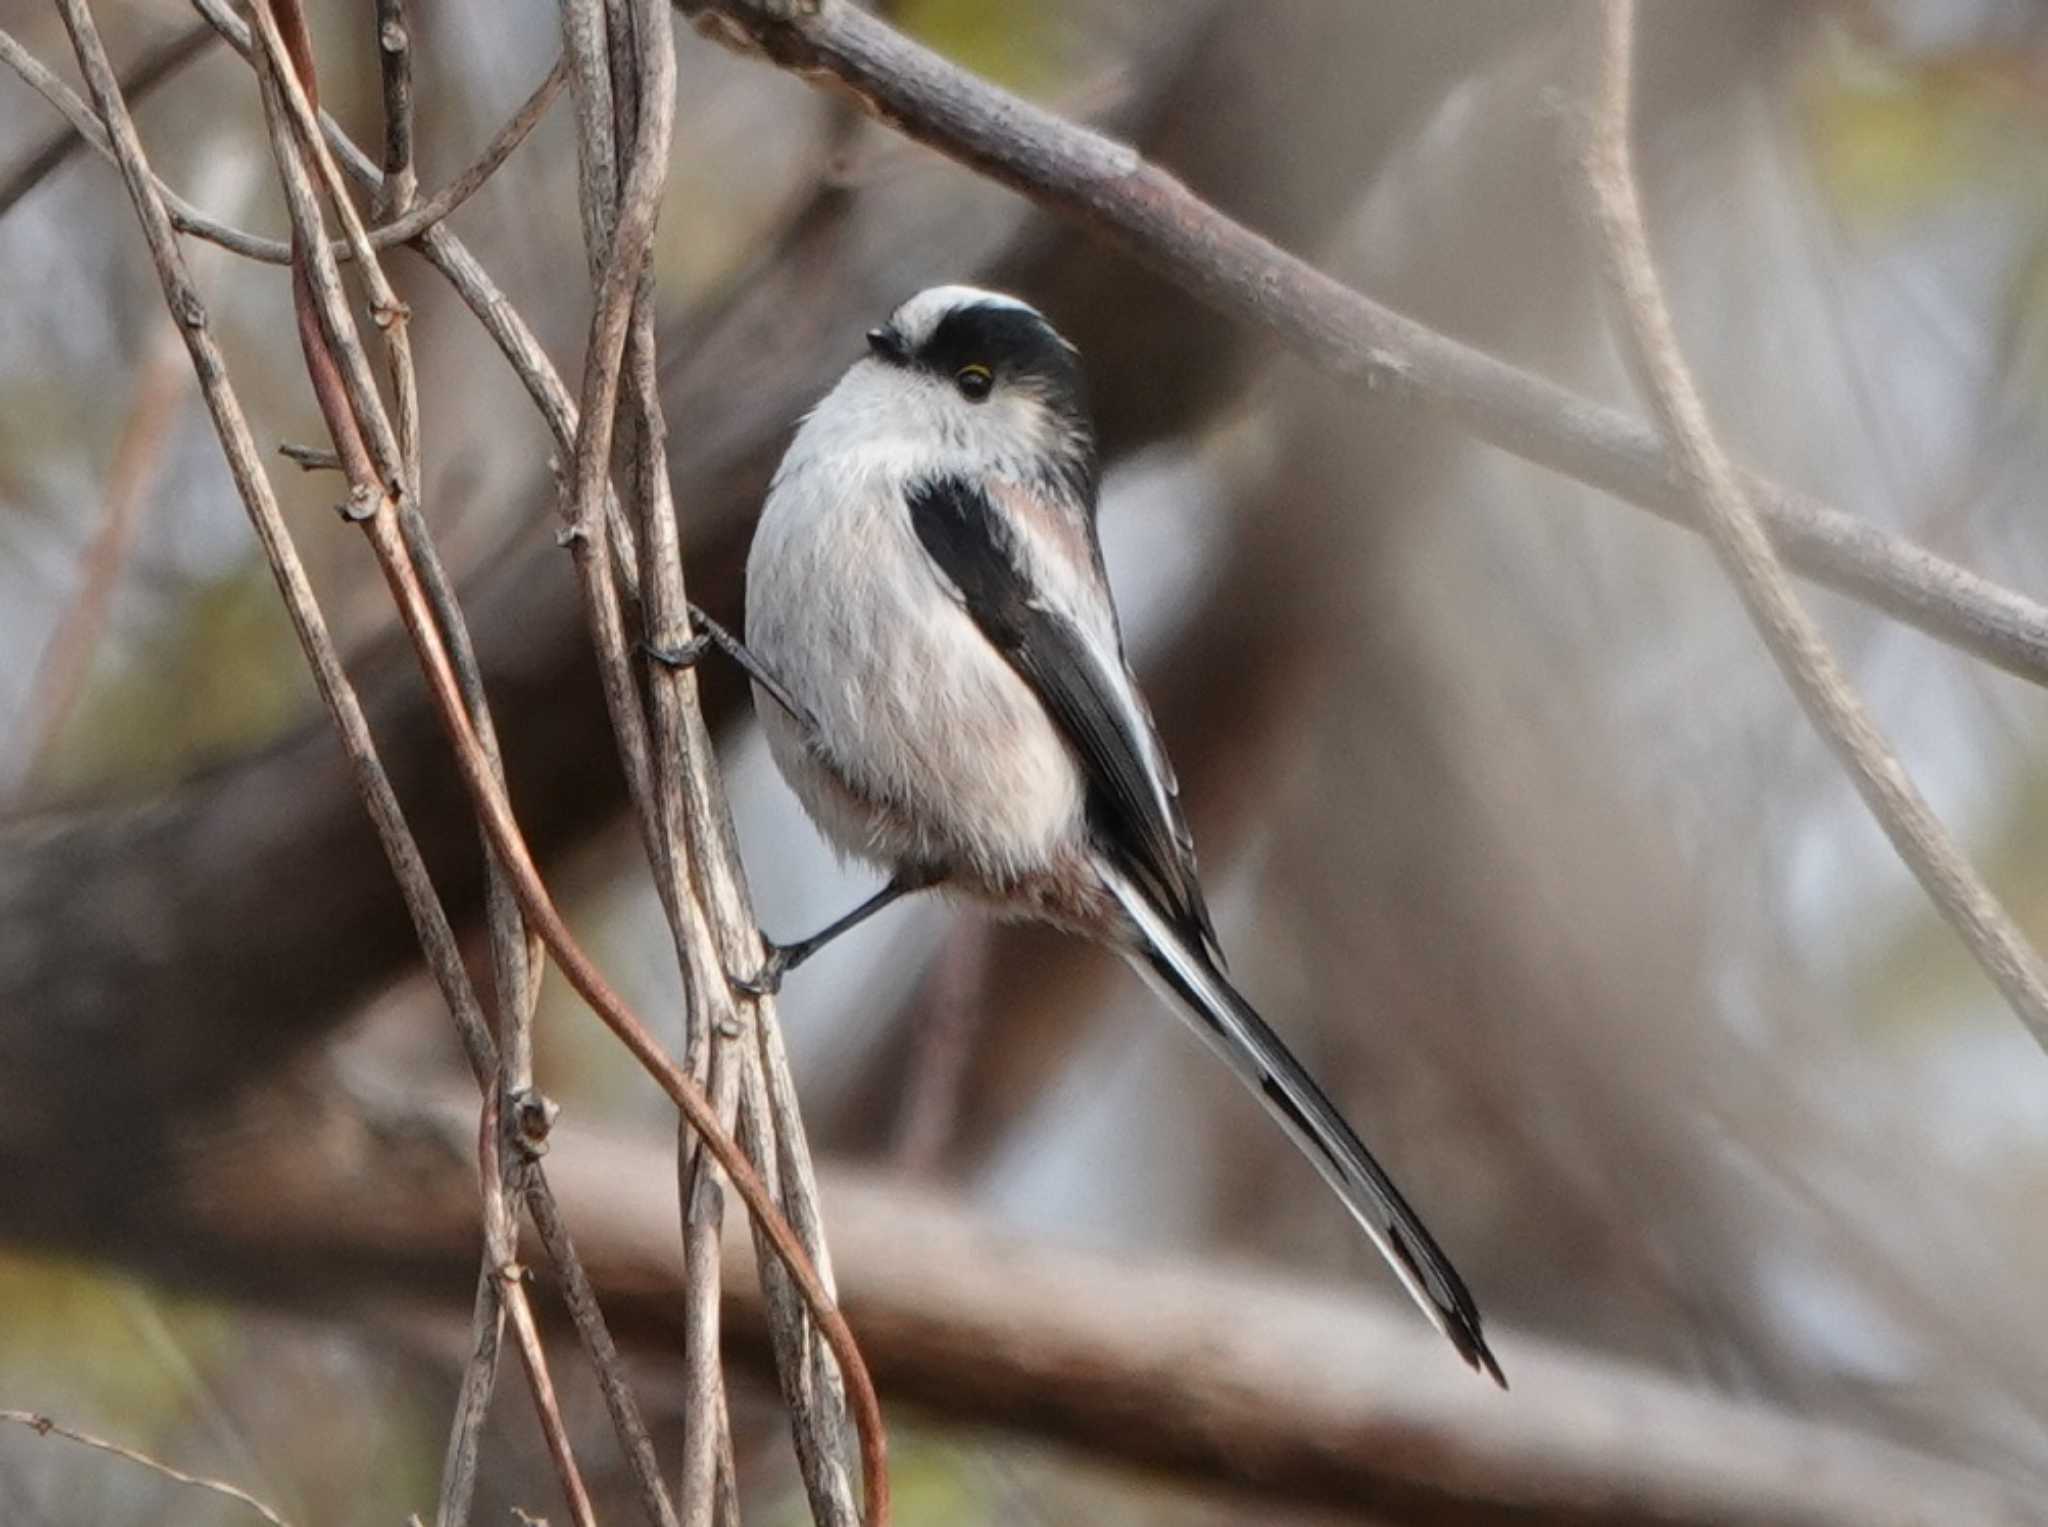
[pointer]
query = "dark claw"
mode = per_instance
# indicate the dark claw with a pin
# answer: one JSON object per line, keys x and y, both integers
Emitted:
{"x": 766, "y": 981}
{"x": 677, "y": 658}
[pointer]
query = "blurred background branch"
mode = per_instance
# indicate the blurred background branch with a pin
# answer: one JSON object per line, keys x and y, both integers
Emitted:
{"x": 1224, "y": 1373}
{"x": 1739, "y": 538}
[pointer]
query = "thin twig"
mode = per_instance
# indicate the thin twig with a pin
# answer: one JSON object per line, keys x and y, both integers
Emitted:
{"x": 586, "y": 55}
{"x": 410, "y": 224}
{"x": 252, "y": 482}
{"x": 1738, "y": 537}
{"x": 354, "y": 412}
{"x": 605, "y": 64}
{"x": 509, "y": 1089}
{"x": 187, "y": 218}
{"x": 285, "y": 65}
{"x": 631, "y": 238}
{"x": 589, "y": 983}
{"x": 603, "y": 550}
{"x": 184, "y": 216}
{"x": 770, "y": 1120}
{"x": 472, "y": 1403}
{"x": 43, "y": 1426}
{"x": 394, "y": 61}
{"x": 771, "y": 1124}
{"x": 341, "y": 387}
{"x": 1111, "y": 191}
{"x": 587, "y": 49}
{"x": 579, "y": 1294}
{"x": 401, "y": 186}
{"x": 436, "y": 937}
{"x": 508, "y": 1093}
{"x": 311, "y": 458}
{"x": 430, "y": 922}
{"x": 160, "y": 63}
{"x": 501, "y": 1242}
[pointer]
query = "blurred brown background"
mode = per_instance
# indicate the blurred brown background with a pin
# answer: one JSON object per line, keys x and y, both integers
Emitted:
{"x": 1507, "y": 821}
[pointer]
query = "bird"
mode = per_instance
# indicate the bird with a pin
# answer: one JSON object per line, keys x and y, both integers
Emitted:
{"x": 939, "y": 671}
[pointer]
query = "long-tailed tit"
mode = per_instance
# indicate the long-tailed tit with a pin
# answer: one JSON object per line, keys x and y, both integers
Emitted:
{"x": 955, "y": 707}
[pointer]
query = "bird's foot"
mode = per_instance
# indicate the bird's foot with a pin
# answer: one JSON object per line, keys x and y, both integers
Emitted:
{"x": 766, "y": 981}
{"x": 688, "y": 655}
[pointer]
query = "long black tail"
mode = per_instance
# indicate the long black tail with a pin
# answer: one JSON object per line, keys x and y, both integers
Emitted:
{"x": 1183, "y": 972}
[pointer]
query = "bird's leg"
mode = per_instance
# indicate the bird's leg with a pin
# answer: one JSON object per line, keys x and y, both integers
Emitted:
{"x": 783, "y": 958}
{"x": 711, "y": 634}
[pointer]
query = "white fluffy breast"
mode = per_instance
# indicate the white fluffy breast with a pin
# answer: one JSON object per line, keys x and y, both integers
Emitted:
{"x": 933, "y": 749}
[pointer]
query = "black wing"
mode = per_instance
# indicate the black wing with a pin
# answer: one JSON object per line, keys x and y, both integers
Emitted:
{"x": 1133, "y": 801}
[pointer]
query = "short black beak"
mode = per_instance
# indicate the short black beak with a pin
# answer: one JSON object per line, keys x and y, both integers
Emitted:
{"x": 888, "y": 344}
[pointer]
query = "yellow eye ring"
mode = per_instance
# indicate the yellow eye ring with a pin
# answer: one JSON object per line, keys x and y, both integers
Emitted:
{"x": 974, "y": 381}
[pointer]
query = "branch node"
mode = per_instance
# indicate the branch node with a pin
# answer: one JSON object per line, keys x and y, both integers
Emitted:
{"x": 572, "y": 537}
{"x": 533, "y": 1118}
{"x": 361, "y": 505}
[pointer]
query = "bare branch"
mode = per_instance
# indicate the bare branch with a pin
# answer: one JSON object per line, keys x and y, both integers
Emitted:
{"x": 501, "y": 1242}
{"x": 609, "y": 125}
{"x": 587, "y": 49}
{"x": 1138, "y": 208}
{"x": 187, "y": 309}
{"x": 430, "y": 921}
{"x": 560, "y": 412}
{"x": 372, "y": 451}
{"x": 511, "y": 1098}
{"x": 310, "y": 458}
{"x": 508, "y": 1088}
{"x": 412, "y": 221}
{"x": 589, "y": 983}
{"x": 350, "y": 403}
{"x": 580, "y": 1296}
{"x": 625, "y": 256}
{"x": 472, "y": 1403}
{"x": 394, "y": 62}
{"x": 160, "y": 63}
{"x": 623, "y": 129}
{"x": 1740, "y": 540}
{"x": 43, "y": 1426}
{"x": 187, "y": 218}
{"x": 345, "y": 412}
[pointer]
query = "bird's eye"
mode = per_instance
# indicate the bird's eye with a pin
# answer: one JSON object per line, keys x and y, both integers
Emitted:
{"x": 974, "y": 382}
